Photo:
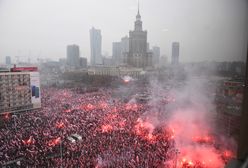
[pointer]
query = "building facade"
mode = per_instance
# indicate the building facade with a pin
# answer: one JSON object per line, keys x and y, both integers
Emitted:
{"x": 124, "y": 45}
{"x": 19, "y": 91}
{"x": 115, "y": 71}
{"x": 119, "y": 49}
{"x": 116, "y": 52}
{"x": 229, "y": 100}
{"x": 73, "y": 58}
{"x": 8, "y": 60}
{"x": 138, "y": 55}
{"x": 83, "y": 62}
{"x": 175, "y": 53}
{"x": 95, "y": 46}
{"x": 156, "y": 55}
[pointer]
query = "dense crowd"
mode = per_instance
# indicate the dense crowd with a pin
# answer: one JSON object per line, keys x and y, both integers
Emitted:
{"x": 113, "y": 132}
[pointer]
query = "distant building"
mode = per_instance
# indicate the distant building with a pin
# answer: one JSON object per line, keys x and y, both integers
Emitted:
{"x": 138, "y": 55}
{"x": 175, "y": 53}
{"x": 20, "y": 89}
{"x": 124, "y": 44}
{"x": 83, "y": 62}
{"x": 117, "y": 52}
{"x": 73, "y": 55}
{"x": 148, "y": 47}
{"x": 156, "y": 55}
{"x": 95, "y": 46}
{"x": 8, "y": 60}
{"x": 119, "y": 49}
{"x": 116, "y": 71}
{"x": 108, "y": 61}
{"x": 163, "y": 61}
{"x": 62, "y": 61}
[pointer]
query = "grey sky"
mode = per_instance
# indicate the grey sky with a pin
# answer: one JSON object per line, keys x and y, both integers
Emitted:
{"x": 206, "y": 29}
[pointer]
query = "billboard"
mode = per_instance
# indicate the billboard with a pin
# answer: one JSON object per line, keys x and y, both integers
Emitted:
{"x": 35, "y": 89}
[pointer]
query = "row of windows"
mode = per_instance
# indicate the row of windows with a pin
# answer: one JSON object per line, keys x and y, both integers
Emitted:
{"x": 23, "y": 107}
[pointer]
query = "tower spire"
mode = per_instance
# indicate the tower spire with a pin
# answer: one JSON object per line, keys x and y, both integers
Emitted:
{"x": 138, "y": 17}
{"x": 138, "y": 8}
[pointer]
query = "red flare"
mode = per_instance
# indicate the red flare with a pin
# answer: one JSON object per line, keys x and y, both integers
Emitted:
{"x": 106, "y": 128}
{"x": 54, "y": 142}
{"x": 29, "y": 141}
{"x": 68, "y": 111}
{"x": 60, "y": 125}
{"x": 89, "y": 107}
{"x": 7, "y": 116}
{"x": 103, "y": 105}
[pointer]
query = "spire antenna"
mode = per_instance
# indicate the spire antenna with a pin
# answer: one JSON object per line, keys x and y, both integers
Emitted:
{"x": 138, "y": 6}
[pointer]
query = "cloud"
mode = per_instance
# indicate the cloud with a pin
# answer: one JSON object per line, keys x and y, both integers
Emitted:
{"x": 165, "y": 30}
{"x": 132, "y": 8}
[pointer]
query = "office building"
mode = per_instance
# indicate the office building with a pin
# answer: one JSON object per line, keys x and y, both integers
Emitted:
{"x": 124, "y": 44}
{"x": 119, "y": 49}
{"x": 116, "y": 52}
{"x": 95, "y": 46}
{"x": 163, "y": 61}
{"x": 83, "y": 62}
{"x": 156, "y": 55}
{"x": 108, "y": 61}
{"x": 20, "y": 90}
{"x": 73, "y": 55}
{"x": 8, "y": 60}
{"x": 175, "y": 53}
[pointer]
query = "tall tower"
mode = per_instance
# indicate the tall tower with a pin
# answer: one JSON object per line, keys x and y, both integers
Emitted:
{"x": 175, "y": 53}
{"x": 95, "y": 46}
{"x": 138, "y": 55}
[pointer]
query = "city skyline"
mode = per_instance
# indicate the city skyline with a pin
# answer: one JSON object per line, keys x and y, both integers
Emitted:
{"x": 219, "y": 35}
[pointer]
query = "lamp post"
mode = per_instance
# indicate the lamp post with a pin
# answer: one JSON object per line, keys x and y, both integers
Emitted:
{"x": 61, "y": 153}
{"x": 177, "y": 152}
{"x": 15, "y": 116}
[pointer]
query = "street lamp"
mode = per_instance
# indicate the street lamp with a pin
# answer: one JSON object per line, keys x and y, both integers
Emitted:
{"x": 15, "y": 116}
{"x": 61, "y": 153}
{"x": 177, "y": 152}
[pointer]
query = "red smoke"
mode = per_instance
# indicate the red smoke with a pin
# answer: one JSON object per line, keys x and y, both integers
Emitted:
{"x": 195, "y": 142}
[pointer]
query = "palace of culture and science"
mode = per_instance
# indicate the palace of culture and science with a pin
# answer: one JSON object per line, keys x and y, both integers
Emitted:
{"x": 138, "y": 56}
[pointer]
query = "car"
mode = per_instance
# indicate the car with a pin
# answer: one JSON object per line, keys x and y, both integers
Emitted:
{"x": 77, "y": 137}
{"x": 72, "y": 140}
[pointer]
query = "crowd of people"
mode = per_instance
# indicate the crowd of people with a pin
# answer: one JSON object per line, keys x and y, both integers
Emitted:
{"x": 113, "y": 132}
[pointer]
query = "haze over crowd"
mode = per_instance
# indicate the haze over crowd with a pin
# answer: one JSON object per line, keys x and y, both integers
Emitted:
{"x": 207, "y": 30}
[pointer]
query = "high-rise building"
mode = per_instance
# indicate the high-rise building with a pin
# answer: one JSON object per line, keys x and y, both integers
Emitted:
{"x": 156, "y": 55}
{"x": 95, "y": 46}
{"x": 73, "y": 55}
{"x": 138, "y": 55}
{"x": 148, "y": 47}
{"x": 124, "y": 44}
{"x": 119, "y": 49}
{"x": 175, "y": 53}
{"x": 83, "y": 62}
{"x": 20, "y": 89}
{"x": 124, "y": 48}
{"x": 8, "y": 60}
{"x": 116, "y": 52}
{"x": 163, "y": 61}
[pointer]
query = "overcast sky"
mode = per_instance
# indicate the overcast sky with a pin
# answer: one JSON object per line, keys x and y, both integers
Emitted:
{"x": 206, "y": 29}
